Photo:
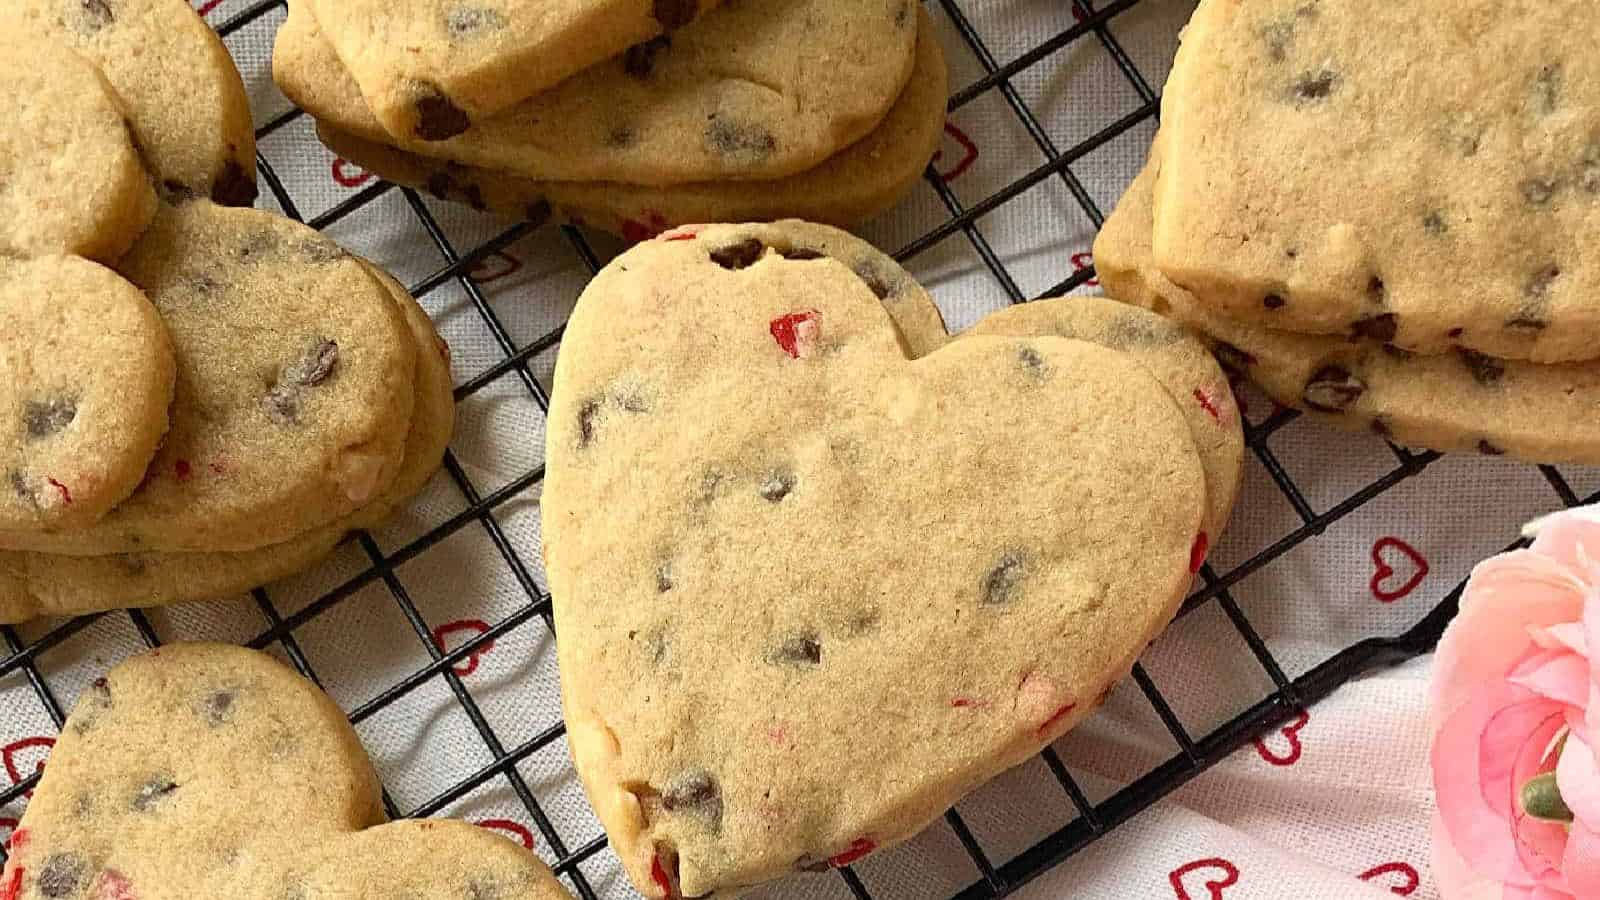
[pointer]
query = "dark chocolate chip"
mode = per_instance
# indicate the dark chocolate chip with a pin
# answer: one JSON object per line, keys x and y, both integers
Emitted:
{"x": 1547, "y": 88}
{"x": 1031, "y": 361}
{"x": 1485, "y": 369}
{"x": 234, "y": 186}
{"x": 468, "y": 21}
{"x": 1456, "y": 333}
{"x": 44, "y": 418}
{"x": 664, "y": 578}
{"x": 675, "y": 13}
{"x": 95, "y": 14}
{"x": 777, "y": 486}
{"x": 1232, "y": 357}
{"x": 1004, "y": 581}
{"x": 1434, "y": 223}
{"x": 1539, "y": 284}
{"x": 439, "y": 184}
{"x": 869, "y": 272}
{"x": 176, "y": 192}
{"x": 586, "y": 416}
{"x": 100, "y": 689}
{"x": 437, "y": 118}
{"x": 1380, "y": 427}
{"x": 738, "y": 255}
{"x": 1528, "y": 321}
{"x": 640, "y": 59}
{"x": 1376, "y": 292}
{"x": 1292, "y": 252}
{"x": 738, "y": 141}
{"x": 1376, "y": 328}
{"x": 318, "y": 364}
{"x": 1315, "y": 85}
{"x": 474, "y": 196}
{"x": 217, "y": 707}
{"x": 800, "y": 650}
{"x": 537, "y": 212}
{"x": 1538, "y": 191}
{"x": 152, "y": 793}
{"x": 1399, "y": 353}
{"x": 1488, "y": 449}
{"x": 1333, "y": 389}
{"x": 1273, "y": 301}
{"x": 696, "y": 793}
{"x": 802, "y": 253}
{"x": 62, "y": 875}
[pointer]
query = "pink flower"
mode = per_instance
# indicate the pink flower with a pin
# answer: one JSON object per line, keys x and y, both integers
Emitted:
{"x": 1514, "y": 765}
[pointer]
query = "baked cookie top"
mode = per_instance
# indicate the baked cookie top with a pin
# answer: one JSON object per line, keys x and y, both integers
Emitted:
{"x": 752, "y": 90}
{"x": 177, "y": 772}
{"x": 183, "y": 95}
{"x": 294, "y": 387}
{"x": 86, "y": 375}
{"x": 1436, "y": 188}
{"x": 70, "y": 176}
{"x": 888, "y": 605}
{"x": 429, "y": 69}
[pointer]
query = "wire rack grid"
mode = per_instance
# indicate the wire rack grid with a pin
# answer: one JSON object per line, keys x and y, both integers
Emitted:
{"x": 1288, "y": 697}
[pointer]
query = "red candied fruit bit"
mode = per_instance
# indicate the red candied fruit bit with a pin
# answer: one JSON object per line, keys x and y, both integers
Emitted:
{"x": 683, "y": 233}
{"x": 66, "y": 495}
{"x": 1207, "y": 404}
{"x": 658, "y": 874}
{"x": 114, "y": 886}
{"x": 1056, "y": 716}
{"x": 796, "y": 332}
{"x": 13, "y": 888}
{"x": 19, "y": 837}
{"x": 858, "y": 848}
{"x": 1197, "y": 553}
{"x": 182, "y": 470}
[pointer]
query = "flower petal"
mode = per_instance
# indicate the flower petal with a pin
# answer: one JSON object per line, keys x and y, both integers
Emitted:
{"x": 1579, "y": 779}
{"x": 1571, "y": 538}
{"x": 1558, "y": 675}
{"x": 1567, "y": 634}
{"x": 1581, "y": 864}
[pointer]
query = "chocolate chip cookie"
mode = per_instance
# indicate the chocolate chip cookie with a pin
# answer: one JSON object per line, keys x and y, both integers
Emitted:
{"x": 294, "y": 387}
{"x": 758, "y": 89}
{"x": 1433, "y": 189}
{"x": 86, "y": 376}
{"x": 208, "y": 771}
{"x": 70, "y": 176}
{"x": 889, "y": 605}
{"x": 184, "y": 98}
{"x": 429, "y": 70}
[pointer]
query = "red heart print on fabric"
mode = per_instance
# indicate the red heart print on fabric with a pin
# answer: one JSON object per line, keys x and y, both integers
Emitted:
{"x": 1388, "y": 551}
{"x": 1400, "y": 878}
{"x": 969, "y": 153}
{"x": 514, "y": 830}
{"x": 25, "y": 757}
{"x": 1291, "y": 733}
{"x": 348, "y": 174}
{"x": 1212, "y": 874}
{"x": 494, "y": 267}
{"x": 471, "y": 628}
{"x": 1081, "y": 261}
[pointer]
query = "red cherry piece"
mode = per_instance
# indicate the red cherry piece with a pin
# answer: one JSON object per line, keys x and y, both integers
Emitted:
{"x": 858, "y": 848}
{"x": 182, "y": 470}
{"x": 797, "y": 333}
{"x": 658, "y": 874}
{"x": 1055, "y": 717}
{"x": 685, "y": 233}
{"x": 1206, "y": 404}
{"x": 19, "y": 837}
{"x": 13, "y": 888}
{"x": 66, "y": 495}
{"x": 1197, "y": 553}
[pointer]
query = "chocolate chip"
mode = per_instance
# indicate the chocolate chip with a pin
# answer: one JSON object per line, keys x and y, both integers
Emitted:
{"x": 467, "y": 21}
{"x": 318, "y": 364}
{"x": 474, "y": 196}
{"x": 1485, "y": 369}
{"x": 1434, "y": 223}
{"x": 44, "y": 418}
{"x": 675, "y": 13}
{"x": 1539, "y": 284}
{"x": 1031, "y": 361}
{"x": 1232, "y": 357}
{"x": 1547, "y": 88}
{"x": 537, "y": 212}
{"x": 586, "y": 416}
{"x": 1376, "y": 328}
{"x": 1333, "y": 389}
{"x": 1292, "y": 252}
{"x": 869, "y": 272}
{"x": 664, "y": 578}
{"x": 696, "y": 793}
{"x": 94, "y": 15}
{"x": 152, "y": 793}
{"x": 234, "y": 186}
{"x": 177, "y": 193}
{"x": 62, "y": 875}
{"x": 1488, "y": 449}
{"x": 217, "y": 708}
{"x": 738, "y": 141}
{"x": 800, "y": 650}
{"x": 801, "y": 253}
{"x": 640, "y": 59}
{"x": 101, "y": 691}
{"x": 777, "y": 486}
{"x": 1380, "y": 427}
{"x": 1456, "y": 333}
{"x": 738, "y": 255}
{"x": 437, "y": 118}
{"x": 1538, "y": 191}
{"x": 1273, "y": 301}
{"x": 1315, "y": 85}
{"x": 1004, "y": 581}
{"x": 440, "y": 184}
{"x": 1527, "y": 320}
{"x": 1376, "y": 292}
{"x": 1399, "y": 353}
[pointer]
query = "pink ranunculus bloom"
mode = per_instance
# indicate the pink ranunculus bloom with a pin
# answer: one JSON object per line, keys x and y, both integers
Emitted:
{"x": 1512, "y": 691}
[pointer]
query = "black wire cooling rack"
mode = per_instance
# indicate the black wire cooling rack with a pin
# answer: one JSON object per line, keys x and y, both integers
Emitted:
{"x": 1197, "y": 752}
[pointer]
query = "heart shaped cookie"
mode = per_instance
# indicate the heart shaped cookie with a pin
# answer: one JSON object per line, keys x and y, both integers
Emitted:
{"x": 810, "y": 590}
{"x": 204, "y": 772}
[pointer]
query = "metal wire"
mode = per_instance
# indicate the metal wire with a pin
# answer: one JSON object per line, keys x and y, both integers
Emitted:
{"x": 1093, "y": 820}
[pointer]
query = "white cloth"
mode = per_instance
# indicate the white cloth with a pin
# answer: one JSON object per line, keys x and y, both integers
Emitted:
{"x": 1305, "y": 815}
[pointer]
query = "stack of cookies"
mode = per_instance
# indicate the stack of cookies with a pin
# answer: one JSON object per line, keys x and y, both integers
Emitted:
{"x": 194, "y": 399}
{"x": 1395, "y": 234}
{"x": 628, "y": 115}
{"x": 819, "y": 570}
